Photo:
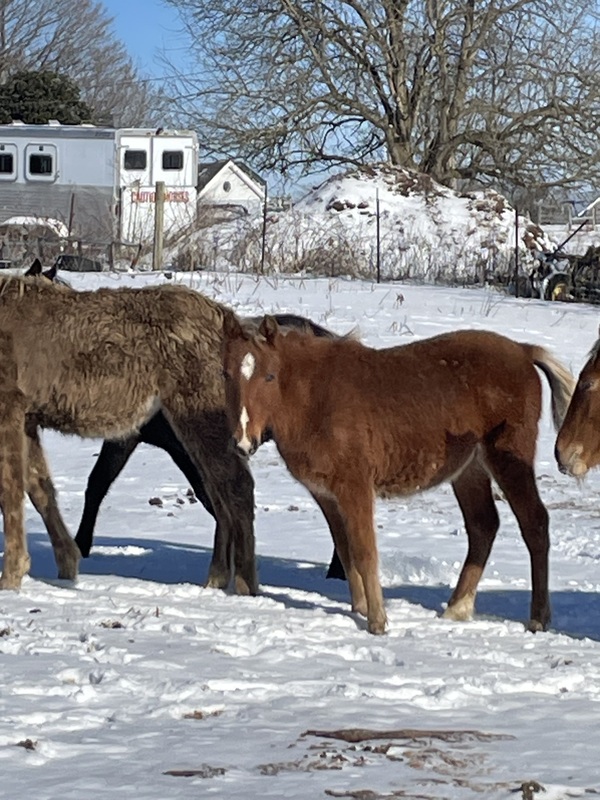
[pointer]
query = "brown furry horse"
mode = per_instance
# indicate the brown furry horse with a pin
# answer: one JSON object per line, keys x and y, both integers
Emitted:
{"x": 350, "y": 421}
{"x": 114, "y": 454}
{"x": 100, "y": 364}
{"x": 578, "y": 442}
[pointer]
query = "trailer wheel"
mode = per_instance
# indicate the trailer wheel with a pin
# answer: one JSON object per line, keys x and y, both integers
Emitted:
{"x": 558, "y": 287}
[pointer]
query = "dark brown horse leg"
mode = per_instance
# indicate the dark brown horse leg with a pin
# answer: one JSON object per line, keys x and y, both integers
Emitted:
{"x": 43, "y": 496}
{"x": 516, "y": 479}
{"x": 12, "y": 488}
{"x": 230, "y": 487}
{"x": 336, "y": 568}
{"x": 111, "y": 460}
{"x": 473, "y": 490}
{"x": 331, "y": 512}
{"x": 355, "y": 501}
{"x": 159, "y": 433}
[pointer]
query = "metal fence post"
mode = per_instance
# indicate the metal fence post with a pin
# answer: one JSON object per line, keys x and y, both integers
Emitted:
{"x": 516, "y": 251}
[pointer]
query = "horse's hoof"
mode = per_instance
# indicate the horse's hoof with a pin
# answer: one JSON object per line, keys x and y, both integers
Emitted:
{"x": 244, "y": 588}
{"x": 535, "y": 626}
{"x": 10, "y": 582}
{"x": 84, "y": 547}
{"x": 377, "y": 628}
{"x": 217, "y": 580}
{"x": 68, "y": 568}
{"x": 360, "y": 608}
{"x": 461, "y": 610}
{"x": 68, "y": 575}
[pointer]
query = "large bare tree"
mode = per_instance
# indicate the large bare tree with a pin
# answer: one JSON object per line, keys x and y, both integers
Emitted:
{"x": 502, "y": 91}
{"x": 75, "y": 38}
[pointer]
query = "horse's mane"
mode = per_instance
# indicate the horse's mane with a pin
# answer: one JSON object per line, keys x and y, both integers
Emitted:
{"x": 20, "y": 284}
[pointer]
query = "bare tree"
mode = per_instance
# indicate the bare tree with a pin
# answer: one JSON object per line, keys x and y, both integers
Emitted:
{"x": 75, "y": 38}
{"x": 501, "y": 91}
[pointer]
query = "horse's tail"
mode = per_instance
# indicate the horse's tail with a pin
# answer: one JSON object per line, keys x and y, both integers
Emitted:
{"x": 562, "y": 381}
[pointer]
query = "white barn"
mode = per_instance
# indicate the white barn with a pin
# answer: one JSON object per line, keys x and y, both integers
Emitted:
{"x": 230, "y": 184}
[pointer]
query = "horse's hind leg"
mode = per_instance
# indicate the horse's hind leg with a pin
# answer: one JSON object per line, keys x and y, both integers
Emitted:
{"x": 516, "y": 478}
{"x": 230, "y": 487}
{"x": 41, "y": 493}
{"x": 111, "y": 460}
{"x": 337, "y": 528}
{"x": 473, "y": 490}
{"x": 12, "y": 488}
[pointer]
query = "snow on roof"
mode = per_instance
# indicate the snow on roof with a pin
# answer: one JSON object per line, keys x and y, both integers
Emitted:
{"x": 54, "y": 225}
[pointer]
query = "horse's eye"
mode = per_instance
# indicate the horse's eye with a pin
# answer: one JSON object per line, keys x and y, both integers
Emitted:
{"x": 270, "y": 377}
{"x": 587, "y": 385}
{"x": 225, "y": 374}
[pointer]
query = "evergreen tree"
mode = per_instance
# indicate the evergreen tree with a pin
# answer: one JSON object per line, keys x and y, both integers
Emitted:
{"x": 37, "y": 97}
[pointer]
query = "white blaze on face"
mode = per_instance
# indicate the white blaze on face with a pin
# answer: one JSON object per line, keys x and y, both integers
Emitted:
{"x": 245, "y": 444}
{"x": 247, "y": 367}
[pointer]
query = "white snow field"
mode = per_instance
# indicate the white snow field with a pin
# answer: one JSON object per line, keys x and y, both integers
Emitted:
{"x": 137, "y": 682}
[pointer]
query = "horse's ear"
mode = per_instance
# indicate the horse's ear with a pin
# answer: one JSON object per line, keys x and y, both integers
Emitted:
{"x": 232, "y": 328}
{"x": 34, "y": 269}
{"x": 50, "y": 274}
{"x": 269, "y": 328}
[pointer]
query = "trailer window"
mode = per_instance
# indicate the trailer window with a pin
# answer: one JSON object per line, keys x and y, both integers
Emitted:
{"x": 40, "y": 164}
{"x": 7, "y": 164}
{"x": 135, "y": 159}
{"x": 172, "y": 159}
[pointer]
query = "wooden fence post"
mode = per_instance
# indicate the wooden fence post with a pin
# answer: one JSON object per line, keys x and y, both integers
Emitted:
{"x": 159, "y": 219}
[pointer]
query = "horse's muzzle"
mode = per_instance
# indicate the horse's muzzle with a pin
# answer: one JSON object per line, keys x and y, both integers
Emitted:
{"x": 570, "y": 462}
{"x": 247, "y": 446}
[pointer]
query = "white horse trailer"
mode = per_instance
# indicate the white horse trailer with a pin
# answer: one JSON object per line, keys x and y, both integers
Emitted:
{"x": 99, "y": 182}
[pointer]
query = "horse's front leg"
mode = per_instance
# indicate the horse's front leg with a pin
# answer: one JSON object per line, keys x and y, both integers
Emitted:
{"x": 12, "y": 489}
{"x": 112, "y": 459}
{"x": 43, "y": 496}
{"x": 355, "y": 501}
{"x": 329, "y": 506}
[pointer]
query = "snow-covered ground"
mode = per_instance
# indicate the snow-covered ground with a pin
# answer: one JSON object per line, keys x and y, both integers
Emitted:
{"x": 137, "y": 682}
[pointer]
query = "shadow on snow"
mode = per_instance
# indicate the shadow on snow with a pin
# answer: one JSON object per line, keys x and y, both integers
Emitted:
{"x": 574, "y": 613}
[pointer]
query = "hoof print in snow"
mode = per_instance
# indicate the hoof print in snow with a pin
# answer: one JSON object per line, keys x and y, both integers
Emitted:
{"x": 202, "y": 714}
{"x": 191, "y": 497}
{"x": 27, "y": 744}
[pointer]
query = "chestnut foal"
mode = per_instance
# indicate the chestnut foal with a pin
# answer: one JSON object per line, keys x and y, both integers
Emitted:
{"x": 351, "y": 422}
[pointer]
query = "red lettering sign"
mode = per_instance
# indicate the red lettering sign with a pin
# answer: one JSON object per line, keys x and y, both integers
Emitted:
{"x": 171, "y": 196}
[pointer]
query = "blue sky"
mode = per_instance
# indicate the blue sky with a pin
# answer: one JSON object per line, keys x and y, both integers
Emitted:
{"x": 145, "y": 27}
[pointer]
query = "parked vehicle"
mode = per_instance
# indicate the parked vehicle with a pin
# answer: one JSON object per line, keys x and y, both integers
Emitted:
{"x": 99, "y": 182}
{"x": 567, "y": 277}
